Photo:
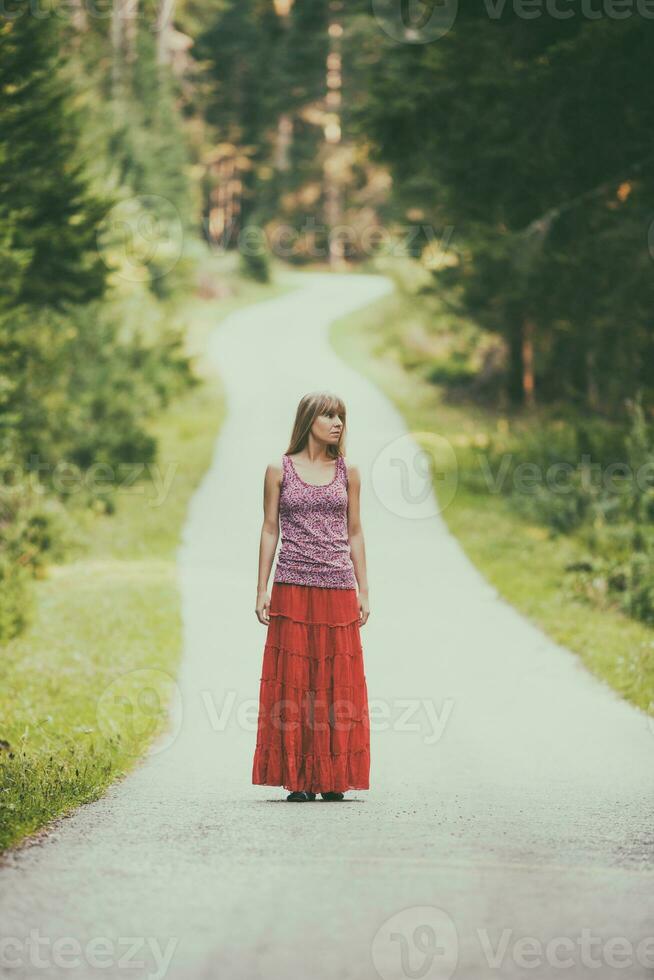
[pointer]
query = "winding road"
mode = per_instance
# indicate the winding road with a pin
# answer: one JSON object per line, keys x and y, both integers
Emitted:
{"x": 508, "y": 828}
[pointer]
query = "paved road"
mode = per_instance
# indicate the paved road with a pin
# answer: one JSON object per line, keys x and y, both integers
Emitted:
{"x": 508, "y": 828}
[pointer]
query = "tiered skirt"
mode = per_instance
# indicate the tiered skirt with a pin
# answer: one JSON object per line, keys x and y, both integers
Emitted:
{"x": 313, "y": 730}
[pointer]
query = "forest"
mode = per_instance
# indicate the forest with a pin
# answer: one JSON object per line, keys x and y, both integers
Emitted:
{"x": 493, "y": 159}
{"x": 447, "y": 207}
{"x": 508, "y": 155}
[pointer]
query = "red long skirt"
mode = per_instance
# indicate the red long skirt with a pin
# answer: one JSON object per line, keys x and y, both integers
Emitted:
{"x": 313, "y": 730}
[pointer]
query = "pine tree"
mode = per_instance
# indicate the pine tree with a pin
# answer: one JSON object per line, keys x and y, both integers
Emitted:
{"x": 49, "y": 216}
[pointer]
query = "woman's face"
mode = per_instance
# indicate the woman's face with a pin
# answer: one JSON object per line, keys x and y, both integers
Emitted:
{"x": 328, "y": 427}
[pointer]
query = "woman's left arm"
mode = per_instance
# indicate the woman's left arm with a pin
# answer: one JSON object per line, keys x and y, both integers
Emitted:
{"x": 357, "y": 544}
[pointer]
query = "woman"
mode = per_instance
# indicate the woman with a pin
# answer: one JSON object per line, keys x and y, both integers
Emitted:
{"x": 313, "y": 732}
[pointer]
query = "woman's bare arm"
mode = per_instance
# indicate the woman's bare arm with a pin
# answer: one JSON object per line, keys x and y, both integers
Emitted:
{"x": 269, "y": 538}
{"x": 355, "y": 535}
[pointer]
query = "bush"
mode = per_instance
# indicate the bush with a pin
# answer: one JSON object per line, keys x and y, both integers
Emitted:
{"x": 16, "y": 603}
{"x": 606, "y": 498}
{"x": 35, "y": 530}
{"x": 254, "y": 255}
{"x": 76, "y": 393}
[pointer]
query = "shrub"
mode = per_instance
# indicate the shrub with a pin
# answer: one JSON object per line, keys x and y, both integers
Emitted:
{"x": 254, "y": 260}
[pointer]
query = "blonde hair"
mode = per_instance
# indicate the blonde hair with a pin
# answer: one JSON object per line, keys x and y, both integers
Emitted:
{"x": 310, "y": 407}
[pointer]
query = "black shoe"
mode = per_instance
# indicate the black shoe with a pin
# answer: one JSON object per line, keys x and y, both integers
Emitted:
{"x": 332, "y": 796}
{"x": 299, "y": 796}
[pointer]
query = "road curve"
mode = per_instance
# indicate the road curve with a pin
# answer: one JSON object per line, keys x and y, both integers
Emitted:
{"x": 508, "y": 827}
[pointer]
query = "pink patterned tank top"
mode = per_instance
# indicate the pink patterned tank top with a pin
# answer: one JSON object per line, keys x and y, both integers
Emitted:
{"x": 315, "y": 545}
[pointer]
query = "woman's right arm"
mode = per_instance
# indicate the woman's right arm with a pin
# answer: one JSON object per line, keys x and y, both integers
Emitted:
{"x": 269, "y": 538}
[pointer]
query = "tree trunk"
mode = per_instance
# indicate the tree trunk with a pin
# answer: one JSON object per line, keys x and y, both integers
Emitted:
{"x": 333, "y": 204}
{"x": 124, "y": 28}
{"x": 514, "y": 368}
{"x": 528, "y": 334}
{"x": 117, "y": 45}
{"x": 79, "y": 17}
{"x": 284, "y": 141}
{"x": 131, "y": 20}
{"x": 592, "y": 390}
{"x": 164, "y": 25}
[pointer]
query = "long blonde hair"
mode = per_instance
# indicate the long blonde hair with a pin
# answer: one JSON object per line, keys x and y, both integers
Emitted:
{"x": 312, "y": 405}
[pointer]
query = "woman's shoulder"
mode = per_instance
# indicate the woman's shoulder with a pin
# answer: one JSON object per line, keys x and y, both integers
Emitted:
{"x": 352, "y": 469}
{"x": 275, "y": 468}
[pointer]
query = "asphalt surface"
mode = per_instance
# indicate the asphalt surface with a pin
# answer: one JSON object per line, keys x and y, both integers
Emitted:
{"x": 507, "y": 831}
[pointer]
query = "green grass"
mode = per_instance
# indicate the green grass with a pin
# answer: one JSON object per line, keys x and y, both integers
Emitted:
{"x": 518, "y": 557}
{"x": 86, "y": 688}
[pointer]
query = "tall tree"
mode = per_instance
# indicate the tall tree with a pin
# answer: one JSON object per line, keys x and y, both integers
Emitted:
{"x": 521, "y": 133}
{"x": 48, "y": 213}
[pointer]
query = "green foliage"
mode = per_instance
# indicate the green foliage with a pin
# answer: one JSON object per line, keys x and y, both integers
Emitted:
{"x": 35, "y": 530}
{"x": 75, "y": 426}
{"x": 254, "y": 257}
{"x": 48, "y": 213}
{"x": 63, "y": 738}
{"x": 237, "y": 56}
{"x": 450, "y": 370}
{"x": 95, "y": 208}
{"x": 589, "y": 477}
{"x": 515, "y": 132}
{"x": 16, "y": 601}
{"x": 87, "y": 387}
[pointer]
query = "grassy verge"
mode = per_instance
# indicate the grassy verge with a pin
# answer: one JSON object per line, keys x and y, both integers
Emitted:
{"x": 524, "y": 563}
{"x": 86, "y": 688}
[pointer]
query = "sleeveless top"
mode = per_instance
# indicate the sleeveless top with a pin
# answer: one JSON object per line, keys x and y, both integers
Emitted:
{"x": 315, "y": 546}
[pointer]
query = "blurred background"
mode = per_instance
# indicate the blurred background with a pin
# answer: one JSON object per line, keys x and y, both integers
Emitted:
{"x": 163, "y": 164}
